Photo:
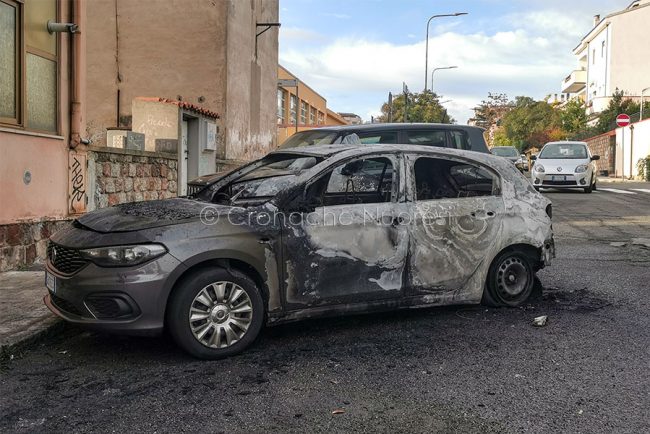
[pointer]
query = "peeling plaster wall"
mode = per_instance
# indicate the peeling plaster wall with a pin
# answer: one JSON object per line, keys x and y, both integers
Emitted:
{"x": 250, "y": 117}
{"x": 154, "y": 49}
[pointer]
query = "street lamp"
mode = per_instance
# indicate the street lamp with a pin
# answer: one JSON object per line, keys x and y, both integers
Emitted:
{"x": 439, "y": 69}
{"x": 641, "y": 114}
{"x": 426, "y": 56}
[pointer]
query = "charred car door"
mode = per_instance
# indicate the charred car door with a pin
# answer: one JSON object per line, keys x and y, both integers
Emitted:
{"x": 347, "y": 245}
{"x": 457, "y": 211}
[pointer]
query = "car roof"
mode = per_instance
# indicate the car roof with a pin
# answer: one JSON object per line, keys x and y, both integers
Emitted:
{"x": 345, "y": 151}
{"x": 394, "y": 126}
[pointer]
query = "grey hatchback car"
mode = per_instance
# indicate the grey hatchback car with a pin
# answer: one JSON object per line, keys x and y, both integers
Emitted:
{"x": 302, "y": 233}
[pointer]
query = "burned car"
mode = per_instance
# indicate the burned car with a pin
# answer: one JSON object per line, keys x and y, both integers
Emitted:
{"x": 300, "y": 233}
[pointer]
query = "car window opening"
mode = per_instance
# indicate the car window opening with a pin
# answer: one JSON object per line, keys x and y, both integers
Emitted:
{"x": 363, "y": 181}
{"x": 446, "y": 179}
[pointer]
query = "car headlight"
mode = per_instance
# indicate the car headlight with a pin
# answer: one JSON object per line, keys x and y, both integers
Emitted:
{"x": 539, "y": 168}
{"x": 582, "y": 168}
{"x": 123, "y": 256}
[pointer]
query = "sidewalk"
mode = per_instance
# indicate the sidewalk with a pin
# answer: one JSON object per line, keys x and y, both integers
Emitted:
{"x": 604, "y": 179}
{"x": 23, "y": 316}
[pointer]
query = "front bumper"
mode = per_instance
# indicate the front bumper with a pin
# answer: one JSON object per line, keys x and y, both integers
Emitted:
{"x": 561, "y": 180}
{"x": 128, "y": 300}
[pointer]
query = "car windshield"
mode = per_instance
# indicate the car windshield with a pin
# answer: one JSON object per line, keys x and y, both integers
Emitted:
{"x": 319, "y": 137}
{"x": 564, "y": 150}
{"x": 505, "y": 151}
{"x": 271, "y": 175}
{"x": 309, "y": 138}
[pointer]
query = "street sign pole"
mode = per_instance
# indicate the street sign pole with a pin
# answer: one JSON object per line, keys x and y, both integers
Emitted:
{"x": 631, "y": 152}
{"x": 390, "y": 107}
{"x": 405, "y": 89}
{"x": 622, "y": 121}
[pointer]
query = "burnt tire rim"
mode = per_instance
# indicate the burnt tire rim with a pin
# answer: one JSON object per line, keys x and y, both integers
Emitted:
{"x": 220, "y": 314}
{"x": 512, "y": 278}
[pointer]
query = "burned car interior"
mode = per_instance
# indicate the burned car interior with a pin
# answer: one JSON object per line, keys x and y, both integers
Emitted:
{"x": 360, "y": 181}
{"x": 437, "y": 178}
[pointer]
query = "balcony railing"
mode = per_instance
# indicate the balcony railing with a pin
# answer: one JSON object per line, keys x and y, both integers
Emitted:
{"x": 575, "y": 82}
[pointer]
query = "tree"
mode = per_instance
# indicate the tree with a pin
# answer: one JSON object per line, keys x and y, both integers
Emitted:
{"x": 489, "y": 112}
{"x": 422, "y": 107}
{"x": 531, "y": 123}
{"x": 617, "y": 105}
{"x": 573, "y": 117}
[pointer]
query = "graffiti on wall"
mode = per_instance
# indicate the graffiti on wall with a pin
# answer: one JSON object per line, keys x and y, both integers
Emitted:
{"x": 77, "y": 183}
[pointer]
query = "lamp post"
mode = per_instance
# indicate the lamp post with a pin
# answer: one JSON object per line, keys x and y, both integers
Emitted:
{"x": 426, "y": 56}
{"x": 641, "y": 114}
{"x": 439, "y": 69}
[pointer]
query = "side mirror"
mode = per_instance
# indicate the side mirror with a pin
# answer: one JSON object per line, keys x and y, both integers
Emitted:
{"x": 533, "y": 157}
{"x": 595, "y": 157}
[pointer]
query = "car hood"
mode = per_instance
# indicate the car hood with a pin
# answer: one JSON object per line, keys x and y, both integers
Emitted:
{"x": 561, "y": 165}
{"x": 144, "y": 215}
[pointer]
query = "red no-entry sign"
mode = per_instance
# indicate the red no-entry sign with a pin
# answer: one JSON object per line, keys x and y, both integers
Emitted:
{"x": 623, "y": 120}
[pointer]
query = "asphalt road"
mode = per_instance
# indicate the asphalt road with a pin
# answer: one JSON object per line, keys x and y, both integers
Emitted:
{"x": 467, "y": 369}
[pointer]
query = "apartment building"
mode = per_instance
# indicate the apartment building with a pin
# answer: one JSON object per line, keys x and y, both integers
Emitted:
{"x": 613, "y": 55}
{"x": 105, "y": 102}
{"x": 299, "y": 107}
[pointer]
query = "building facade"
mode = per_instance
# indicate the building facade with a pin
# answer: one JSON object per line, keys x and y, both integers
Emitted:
{"x": 299, "y": 107}
{"x": 610, "y": 57}
{"x": 123, "y": 101}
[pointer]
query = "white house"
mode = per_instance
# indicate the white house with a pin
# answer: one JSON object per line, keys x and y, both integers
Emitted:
{"x": 615, "y": 54}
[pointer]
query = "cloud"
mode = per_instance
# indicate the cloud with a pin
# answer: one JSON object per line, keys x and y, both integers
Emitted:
{"x": 515, "y": 62}
{"x": 520, "y": 53}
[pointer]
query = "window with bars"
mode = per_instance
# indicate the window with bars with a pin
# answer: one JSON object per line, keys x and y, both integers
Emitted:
{"x": 303, "y": 112}
{"x": 28, "y": 88}
{"x": 312, "y": 116}
{"x": 293, "y": 110}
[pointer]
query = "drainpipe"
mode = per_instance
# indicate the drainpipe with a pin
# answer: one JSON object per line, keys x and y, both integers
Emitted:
{"x": 78, "y": 79}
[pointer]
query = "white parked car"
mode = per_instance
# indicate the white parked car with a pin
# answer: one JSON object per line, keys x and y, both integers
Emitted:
{"x": 564, "y": 165}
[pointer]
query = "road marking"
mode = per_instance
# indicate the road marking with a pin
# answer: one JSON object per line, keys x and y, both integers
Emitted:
{"x": 644, "y": 190}
{"x": 615, "y": 190}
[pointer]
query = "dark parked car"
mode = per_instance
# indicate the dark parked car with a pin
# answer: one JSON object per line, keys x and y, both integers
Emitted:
{"x": 304, "y": 232}
{"x": 439, "y": 135}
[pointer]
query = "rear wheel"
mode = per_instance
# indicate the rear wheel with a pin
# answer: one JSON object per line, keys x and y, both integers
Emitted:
{"x": 215, "y": 313}
{"x": 510, "y": 280}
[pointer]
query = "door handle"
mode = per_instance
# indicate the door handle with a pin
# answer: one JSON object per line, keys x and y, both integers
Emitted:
{"x": 264, "y": 241}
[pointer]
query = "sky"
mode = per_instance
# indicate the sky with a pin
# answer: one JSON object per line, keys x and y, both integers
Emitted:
{"x": 353, "y": 52}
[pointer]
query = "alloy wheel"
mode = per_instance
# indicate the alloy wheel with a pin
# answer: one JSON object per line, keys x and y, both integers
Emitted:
{"x": 220, "y": 314}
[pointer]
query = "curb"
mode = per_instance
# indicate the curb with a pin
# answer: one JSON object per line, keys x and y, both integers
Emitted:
{"x": 51, "y": 325}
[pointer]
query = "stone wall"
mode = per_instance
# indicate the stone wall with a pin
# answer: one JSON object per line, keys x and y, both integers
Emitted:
{"x": 124, "y": 175}
{"x": 23, "y": 244}
{"x": 605, "y": 146}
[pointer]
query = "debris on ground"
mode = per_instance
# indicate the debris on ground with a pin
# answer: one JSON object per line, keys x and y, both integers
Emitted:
{"x": 618, "y": 244}
{"x": 338, "y": 411}
{"x": 540, "y": 321}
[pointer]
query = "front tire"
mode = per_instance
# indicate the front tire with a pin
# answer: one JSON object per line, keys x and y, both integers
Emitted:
{"x": 510, "y": 280}
{"x": 215, "y": 313}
